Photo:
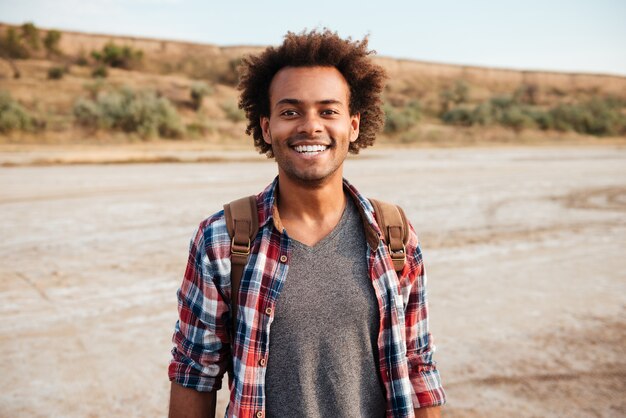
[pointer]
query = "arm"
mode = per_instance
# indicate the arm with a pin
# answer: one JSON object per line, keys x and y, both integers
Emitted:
{"x": 201, "y": 339}
{"x": 189, "y": 403}
{"x": 428, "y": 392}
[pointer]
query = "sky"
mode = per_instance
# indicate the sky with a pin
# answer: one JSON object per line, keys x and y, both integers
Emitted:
{"x": 556, "y": 35}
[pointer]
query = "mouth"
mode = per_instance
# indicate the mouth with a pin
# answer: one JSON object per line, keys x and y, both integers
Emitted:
{"x": 310, "y": 149}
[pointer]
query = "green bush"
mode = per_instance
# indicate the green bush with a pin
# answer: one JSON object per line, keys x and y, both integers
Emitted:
{"x": 455, "y": 95}
{"x": 56, "y": 73}
{"x": 100, "y": 72}
{"x": 116, "y": 56}
{"x": 542, "y": 119}
{"x": 597, "y": 116}
{"x": 483, "y": 114}
{"x": 400, "y": 120}
{"x": 12, "y": 45}
{"x": 233, "y": 113}
{"x": 30, "y": 34}
{"x": 517, "y": 117}
{"x": 51, "y": 42}
{"x": 197, "y": 93}
{"x": 12, "y": 115}
{"x": 502, "y": 110}
{"x": 140, "y": 112}
{"x": 461, "y": 116}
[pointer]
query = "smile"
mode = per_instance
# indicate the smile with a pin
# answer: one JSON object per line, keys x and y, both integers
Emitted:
{"x": 310, "y": 149}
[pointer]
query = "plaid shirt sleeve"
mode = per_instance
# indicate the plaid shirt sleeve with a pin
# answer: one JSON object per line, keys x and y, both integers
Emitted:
{"x": 201, "y": 337}
{"x": 423, "y": 373}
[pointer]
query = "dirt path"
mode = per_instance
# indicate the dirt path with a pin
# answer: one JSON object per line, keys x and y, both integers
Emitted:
{"x": 524, "y": 250}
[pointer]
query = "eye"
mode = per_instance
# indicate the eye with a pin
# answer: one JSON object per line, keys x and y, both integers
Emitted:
{"x": 289, "y": 113}
{"x": 329, "y": 112}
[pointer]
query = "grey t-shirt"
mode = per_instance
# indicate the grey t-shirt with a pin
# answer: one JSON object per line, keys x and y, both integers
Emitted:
{"x": 323, "y": 354}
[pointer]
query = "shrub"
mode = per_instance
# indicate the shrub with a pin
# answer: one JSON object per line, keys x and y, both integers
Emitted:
{"x": 12, "y": 46}
{"x": 461, "y": 116}
{"x": 483, "y": 114}
{"x": 541, "y": 118}
{"x": 501, "y": 102}
{"x": 142, "y": 112}
{"x": 197, "y": 93}
{"x": 455, "y": 95}
{"x": 87, "y": 113}
{"x": 51, "y": 42}
{"x": 400, "y": 120}
{"x": 30, "y": 34}
{"x": 116, "y": 56}
{"x": 502, "y": 110}
{"x": 233, "y": 113}
{"x": 516, "y": 117}
{"x": 12, "y": 115}
{"x": 100, "y": 72}
{"x": 596, "y": 117}
{"x": 56, "y": 73}
{"x": 414, "y": 109}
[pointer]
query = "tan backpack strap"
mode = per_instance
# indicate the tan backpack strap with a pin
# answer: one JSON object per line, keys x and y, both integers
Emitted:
{"x": 395, "y": 229}
{"x": 242, "y": 222}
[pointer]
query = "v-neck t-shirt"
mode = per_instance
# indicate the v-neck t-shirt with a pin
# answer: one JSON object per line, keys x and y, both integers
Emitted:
{"x": 323, "y": 340}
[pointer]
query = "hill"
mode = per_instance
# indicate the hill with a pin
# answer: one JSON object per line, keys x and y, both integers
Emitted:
{"x": 426, "y": 102}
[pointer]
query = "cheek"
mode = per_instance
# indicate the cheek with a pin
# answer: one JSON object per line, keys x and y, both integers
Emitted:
{"x": 342, "y": 130}
{"x": 280, "y": 130}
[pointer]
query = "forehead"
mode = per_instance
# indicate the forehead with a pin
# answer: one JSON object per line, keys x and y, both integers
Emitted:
{"x": 309, "y": 84}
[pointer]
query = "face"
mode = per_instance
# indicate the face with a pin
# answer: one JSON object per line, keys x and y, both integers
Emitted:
{"x": 310, "y": 127}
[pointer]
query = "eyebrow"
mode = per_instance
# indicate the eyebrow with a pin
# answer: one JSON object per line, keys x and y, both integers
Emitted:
{"x": 299, "y": 102}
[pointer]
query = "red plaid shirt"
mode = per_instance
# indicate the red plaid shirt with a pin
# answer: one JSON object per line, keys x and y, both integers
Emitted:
{"x": 203, "y": 352}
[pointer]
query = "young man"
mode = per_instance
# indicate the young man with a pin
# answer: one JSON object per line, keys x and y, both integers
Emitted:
{"x": 325, "y": 326}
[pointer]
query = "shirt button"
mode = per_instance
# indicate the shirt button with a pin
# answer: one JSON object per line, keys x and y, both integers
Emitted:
{"x": 262, "y": 362}
{"x": 259, "y": 414}
{"x": 269, "y": 311}
{"x": 283, "y": 258}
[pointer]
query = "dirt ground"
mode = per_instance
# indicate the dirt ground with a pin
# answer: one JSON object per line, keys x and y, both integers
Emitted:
{"x": 524, "y": 247}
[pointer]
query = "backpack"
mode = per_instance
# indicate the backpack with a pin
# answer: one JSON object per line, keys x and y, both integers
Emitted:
{"x": 243, "y": 224}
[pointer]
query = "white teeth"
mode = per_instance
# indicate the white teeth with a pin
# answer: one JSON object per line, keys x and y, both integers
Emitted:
{"x": 310, "y": 148}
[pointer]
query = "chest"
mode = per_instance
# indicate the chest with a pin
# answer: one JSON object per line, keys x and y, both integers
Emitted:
{"x": 328, "y": 286}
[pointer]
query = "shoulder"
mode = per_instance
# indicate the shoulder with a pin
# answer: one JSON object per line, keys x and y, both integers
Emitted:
{"x": 414, "y": 248}
{"x": 212, "y": 237}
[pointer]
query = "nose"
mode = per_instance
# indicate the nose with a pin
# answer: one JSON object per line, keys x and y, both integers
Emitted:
{"x": 311, "y": 124}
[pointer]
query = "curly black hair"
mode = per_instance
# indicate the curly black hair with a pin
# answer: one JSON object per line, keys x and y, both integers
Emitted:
{"x": 311, "y": 49}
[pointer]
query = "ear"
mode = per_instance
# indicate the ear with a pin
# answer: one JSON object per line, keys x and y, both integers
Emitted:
{"x": 265, "y": 128}
{"x": 355, "y": 121}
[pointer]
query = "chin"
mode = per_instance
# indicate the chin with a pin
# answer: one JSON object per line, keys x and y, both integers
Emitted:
{"x": 312, "y": 179}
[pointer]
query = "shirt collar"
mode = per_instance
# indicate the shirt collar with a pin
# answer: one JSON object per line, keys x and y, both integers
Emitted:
{"x": 267, "y": 209}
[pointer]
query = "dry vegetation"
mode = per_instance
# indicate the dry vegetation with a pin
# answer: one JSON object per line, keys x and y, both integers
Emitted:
{"x": 83, "y": 88}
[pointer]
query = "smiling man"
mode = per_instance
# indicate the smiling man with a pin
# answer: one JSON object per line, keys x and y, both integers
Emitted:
{"x": 325, "y": 325}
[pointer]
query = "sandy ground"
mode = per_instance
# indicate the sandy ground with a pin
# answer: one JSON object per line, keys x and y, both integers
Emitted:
{"x": 525, "y": 252}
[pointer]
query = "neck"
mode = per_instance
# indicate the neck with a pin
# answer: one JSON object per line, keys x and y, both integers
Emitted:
{"x": 310, "y": 203}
